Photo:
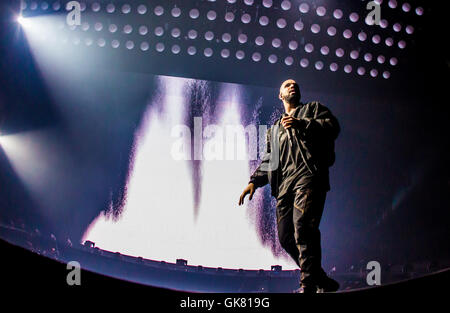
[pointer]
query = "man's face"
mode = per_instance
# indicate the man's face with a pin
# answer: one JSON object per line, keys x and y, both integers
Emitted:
{"x": 289, "y": 91}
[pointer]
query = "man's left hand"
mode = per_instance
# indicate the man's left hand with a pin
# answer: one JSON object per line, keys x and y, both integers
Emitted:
{"x": 289, "y": 121}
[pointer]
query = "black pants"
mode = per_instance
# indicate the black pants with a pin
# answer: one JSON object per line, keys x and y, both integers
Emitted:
{"x": 298, "y": 219}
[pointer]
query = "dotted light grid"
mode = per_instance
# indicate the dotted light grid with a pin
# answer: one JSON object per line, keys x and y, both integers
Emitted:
{"x": 244, "y": 18}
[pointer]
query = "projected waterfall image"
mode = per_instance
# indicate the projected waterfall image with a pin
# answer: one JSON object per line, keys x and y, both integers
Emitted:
{"x": 186, "y": 173}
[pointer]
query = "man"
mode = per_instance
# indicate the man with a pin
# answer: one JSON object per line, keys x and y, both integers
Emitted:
{"x": 296, "y": 163}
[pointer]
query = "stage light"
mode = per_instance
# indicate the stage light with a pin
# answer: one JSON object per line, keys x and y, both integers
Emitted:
{"x": 248, "y": 2}
{"x": 267, "y": 3}
{"x": 115, "y": 43}
{"x": 376, "y": 39}
{"x": 285, "y": 5}
{"x": 348, "y": 69}
{"x": 293, "y": 45}
{"x": 354, "y": 17}
{"x": 319, "y": 65}
{"x": 325, "y": 50}
{"x": 281, "y": 23}
{"x": 240, "y": 54}
{"x": 110, "y": 8}
{"x": 384, "y": 23}
{"x": 331, "y": 31}
{"x": 176, "y": 33}
{"x": 304, "y": 63}
{"x": 21, "y": 20}
{"x": 112, "y": 28}
{"x": 176, "y": 12}
{"x": 340, "y": 52}
{"x": 386, "y": 75}
{"x": 129, "y": 45}
{"x": 229, "y": 17}
{"x": 88, "y": 42}
{"x": 338, "y": 14}
{"x": 276, "y": 43}
{"x": 95, "y": 7}
{"x": 374, "y": 73}
{"x": 347, "y": 34}
{"x": 289, "y": 61}
{"x": 160, "y": 47}
{"x": 298, "y": 26}
{"x": 256, "y": 57}
{"x": 354, "y": 54}
{"x": 392, "y": 4}
{"x": 397, "y": 27}
{"x": 142, "y": 9}
{"x": 419, "y": 11}
{"x": 242, "y": 38}
{"x": 409, "y": 30}
{"x": 246, "y": 18}
{"x": 143, "y": 30}
{"x": 194, "y": 13}
{"x": 211, "y": 15}
{"x": 368, "y": 57}
{"x": 273, "y": 58}
{"x": 406, "y": 7}
{"x": 208, "y": 52}
{"x": 159, "y": 31}
{"x": 321, "y": 11}
{"x": 159, "y": 10}
{"x": 315, "y": 28}
{"x": 361, "y": 71}
{"x": 209, "y": 35}
{"x": 225, "y": 53}
{"x": 334, "y": 67}
{"x": 101, "y": 42}
{"x": 191, "y": 50}
{"x": 362, "y": 36}
{"x": 127, "y": 29}
{"x": 402, "y": 44}
{"x": 145, "y": 46}
{"x": 389, "y": 42}
{"x": 381, "y": 59}
{"x": 226, "y": 37}
{"x": 393, "y": 61}
{"x": 304, "y": 8}
{"x": 98, "y": 26}
{"x": 126, "y": 9}
{"x": 176, "y": 49}
{"x": 56, "y": 6}
{"x": 264, "y": 20}
{"x": 309, "y": 48}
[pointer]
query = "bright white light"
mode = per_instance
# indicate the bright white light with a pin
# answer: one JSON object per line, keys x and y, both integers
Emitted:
{"x": 157, "y": 225}
{"x": 23, "y": 21}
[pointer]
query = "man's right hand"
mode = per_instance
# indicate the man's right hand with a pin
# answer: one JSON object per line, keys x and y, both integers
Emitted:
{"x": 250, "y": 189}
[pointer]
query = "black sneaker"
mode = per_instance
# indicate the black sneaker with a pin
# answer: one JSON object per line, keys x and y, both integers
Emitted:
{"x": 306, "y": 290}
{"x": 327, "y": 284}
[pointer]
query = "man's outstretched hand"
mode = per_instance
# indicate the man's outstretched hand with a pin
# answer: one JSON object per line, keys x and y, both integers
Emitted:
{"x": 250, "y": 189}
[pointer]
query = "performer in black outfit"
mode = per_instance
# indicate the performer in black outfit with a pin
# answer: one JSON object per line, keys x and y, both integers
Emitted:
{"x": 299, "y": 151}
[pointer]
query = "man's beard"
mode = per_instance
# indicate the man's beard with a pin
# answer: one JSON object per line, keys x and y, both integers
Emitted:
{"x": 292, "y": 98}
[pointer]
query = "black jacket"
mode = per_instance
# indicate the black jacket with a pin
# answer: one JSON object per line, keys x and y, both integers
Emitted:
{"x": 316, "y": 140}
